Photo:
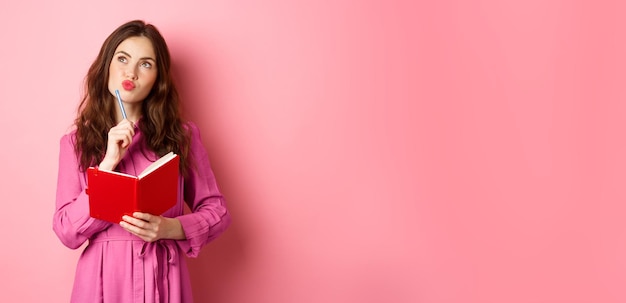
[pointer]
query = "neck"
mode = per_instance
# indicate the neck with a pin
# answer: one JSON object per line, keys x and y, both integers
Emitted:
{"x": 133, "y": 112}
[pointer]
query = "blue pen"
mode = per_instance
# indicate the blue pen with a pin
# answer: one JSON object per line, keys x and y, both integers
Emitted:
{"x": 119, "y": 100}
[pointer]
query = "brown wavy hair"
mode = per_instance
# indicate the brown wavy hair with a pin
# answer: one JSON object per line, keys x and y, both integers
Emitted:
{"x": 161, "y": 124}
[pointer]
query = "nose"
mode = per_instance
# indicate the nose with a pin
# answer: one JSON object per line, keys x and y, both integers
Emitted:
{"x": 131, "y": 74}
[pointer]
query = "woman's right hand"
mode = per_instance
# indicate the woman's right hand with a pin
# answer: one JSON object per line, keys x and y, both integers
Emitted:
{"x": 119, "y": 139}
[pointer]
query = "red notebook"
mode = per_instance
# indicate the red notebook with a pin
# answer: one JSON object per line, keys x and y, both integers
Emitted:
{"x": 113, "y": 194}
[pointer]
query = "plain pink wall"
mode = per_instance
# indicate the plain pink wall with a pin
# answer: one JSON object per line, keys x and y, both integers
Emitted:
{"x": 370, "y": 151}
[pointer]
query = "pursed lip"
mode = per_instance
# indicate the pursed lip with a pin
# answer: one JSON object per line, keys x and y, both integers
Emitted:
{"x": 128, "y": 85}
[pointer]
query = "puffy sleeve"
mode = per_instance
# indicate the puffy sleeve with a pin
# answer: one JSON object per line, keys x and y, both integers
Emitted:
{"x": 71, "y": 221}
{"x": 209, "y": 217}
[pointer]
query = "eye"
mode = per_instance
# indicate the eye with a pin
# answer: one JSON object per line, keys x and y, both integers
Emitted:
{"x": 122, "y": 59}
{"x": 146, "y": 65}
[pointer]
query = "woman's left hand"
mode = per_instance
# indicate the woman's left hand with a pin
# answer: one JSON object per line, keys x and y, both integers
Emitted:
{"x": 151, "y": 228}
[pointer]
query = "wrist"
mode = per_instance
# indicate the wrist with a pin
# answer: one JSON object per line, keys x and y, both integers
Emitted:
{"x": 107, "y": 165}
{"x": 175, "y": 230}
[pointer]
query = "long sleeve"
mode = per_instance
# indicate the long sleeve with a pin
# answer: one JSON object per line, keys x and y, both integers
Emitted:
{"x": 209, "y": 216}
{"x": 71, "y": 221}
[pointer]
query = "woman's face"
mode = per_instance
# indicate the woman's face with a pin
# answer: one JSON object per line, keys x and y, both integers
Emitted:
{"x": 133, "y": 69}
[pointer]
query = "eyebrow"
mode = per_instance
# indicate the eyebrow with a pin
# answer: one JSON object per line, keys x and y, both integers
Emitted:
{"x": 127, "y": 54}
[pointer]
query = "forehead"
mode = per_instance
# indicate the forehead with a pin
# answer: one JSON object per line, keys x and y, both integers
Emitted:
{"x": 137, "y": 47}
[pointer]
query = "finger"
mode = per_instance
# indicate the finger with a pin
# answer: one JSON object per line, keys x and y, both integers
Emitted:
{"x": 126, "y": 140}
{"x": 144, "y": 216}
{"x": 136, "y": 222}
{"x": 127, "y": 128}
{"x": 132, "y": 228}
{"x": 122, "y": 129}
{"x": 128, "y": 125}
{"x": 125, "y": 122}
{"x": 141, "y": 233}
{"x": 122, "y": 137}
{"x": 144, "y": 234}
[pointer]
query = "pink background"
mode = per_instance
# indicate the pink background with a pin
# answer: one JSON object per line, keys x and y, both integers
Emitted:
{"x": 370, "y": 151}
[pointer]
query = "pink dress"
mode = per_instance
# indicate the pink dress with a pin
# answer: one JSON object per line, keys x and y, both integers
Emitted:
{"x": 119, "y": 267}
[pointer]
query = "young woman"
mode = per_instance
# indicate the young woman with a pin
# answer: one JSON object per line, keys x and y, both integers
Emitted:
{"x": 141, "y": 259}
